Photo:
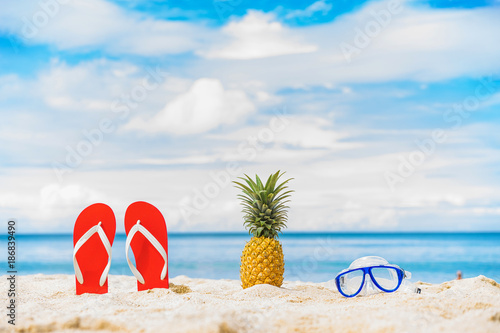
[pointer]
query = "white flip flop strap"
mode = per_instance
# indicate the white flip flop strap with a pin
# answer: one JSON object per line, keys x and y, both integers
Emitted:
{"x": 139, "y": 228}
{"x": 107, "y": 245}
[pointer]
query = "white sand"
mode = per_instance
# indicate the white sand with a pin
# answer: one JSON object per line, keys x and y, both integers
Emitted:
{"x": 48, "y": 303}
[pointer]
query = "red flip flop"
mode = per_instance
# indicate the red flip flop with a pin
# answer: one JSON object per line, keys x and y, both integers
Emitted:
{"x": 147, "y": 235}
{"x": 93, "y": 237}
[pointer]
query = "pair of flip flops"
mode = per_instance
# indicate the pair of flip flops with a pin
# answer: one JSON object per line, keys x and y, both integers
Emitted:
{"x": 93, "y": 238}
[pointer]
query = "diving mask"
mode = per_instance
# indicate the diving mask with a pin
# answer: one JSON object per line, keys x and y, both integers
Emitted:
{"x": 370, "y": 275}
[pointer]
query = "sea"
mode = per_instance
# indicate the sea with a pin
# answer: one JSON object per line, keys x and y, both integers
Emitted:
{"x": 309, "y": 257}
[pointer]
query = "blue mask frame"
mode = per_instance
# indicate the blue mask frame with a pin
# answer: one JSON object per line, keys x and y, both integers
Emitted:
{"x": 368, "y": 270}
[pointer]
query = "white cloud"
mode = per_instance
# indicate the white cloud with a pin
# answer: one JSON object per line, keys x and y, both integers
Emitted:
{"x": 333, "y": 191}
{"x": 88, "y": 86}
{"x": 205, "y": 106}
{"x": 302, "y": 132}
{"x": 10, "y": 85}
{"x": 493, "y": 100}
{"x": 97, "y": 24}
{"x": 419, "y": 44}
{"x": 311, "y": 132}
{"x": 98, "y": 85}
{"x": 258, "y": 35}
{"x": 59, "y": 201}
{"x": 31, "y": 196}
{"x": 316, "y": 7}
{"x": 336, "y": 186}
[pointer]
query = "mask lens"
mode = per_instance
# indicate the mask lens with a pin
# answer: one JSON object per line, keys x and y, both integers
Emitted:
{"x": 350, "y": 282}
{"x": 386, "y": 277}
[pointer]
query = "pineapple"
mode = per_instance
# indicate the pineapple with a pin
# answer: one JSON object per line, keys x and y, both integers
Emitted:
{"x": 265, "y": 215}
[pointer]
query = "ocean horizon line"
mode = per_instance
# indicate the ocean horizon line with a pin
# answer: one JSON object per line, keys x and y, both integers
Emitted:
{"x": 292, "y": 233}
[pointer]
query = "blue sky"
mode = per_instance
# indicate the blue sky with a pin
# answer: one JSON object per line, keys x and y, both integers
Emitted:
{"x": 386, "y": 113}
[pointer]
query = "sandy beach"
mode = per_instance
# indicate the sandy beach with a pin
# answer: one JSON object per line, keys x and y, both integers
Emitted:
{"x": 47, "y": 303}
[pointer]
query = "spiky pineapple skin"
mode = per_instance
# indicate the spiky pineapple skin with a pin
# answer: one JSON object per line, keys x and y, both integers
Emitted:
{"x": 262, "y": 262}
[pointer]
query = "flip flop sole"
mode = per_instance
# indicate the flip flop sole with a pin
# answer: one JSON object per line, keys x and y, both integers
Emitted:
{"x": 92, "y": 257}
{"x": 149, "y": 261}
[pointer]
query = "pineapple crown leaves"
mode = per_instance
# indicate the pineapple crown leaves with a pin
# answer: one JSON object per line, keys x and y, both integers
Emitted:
{"x": 264, "y": 205}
